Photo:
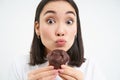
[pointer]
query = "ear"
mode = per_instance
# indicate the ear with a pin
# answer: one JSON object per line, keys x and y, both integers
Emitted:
{"x": 36, "y": 25}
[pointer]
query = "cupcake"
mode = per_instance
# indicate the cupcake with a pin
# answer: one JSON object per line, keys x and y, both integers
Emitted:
{"x": 57, "y": 58}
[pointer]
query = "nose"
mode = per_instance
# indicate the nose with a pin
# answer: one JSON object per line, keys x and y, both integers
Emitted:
{"x": 60, "y": 31}
{"x": 60, "y": 34}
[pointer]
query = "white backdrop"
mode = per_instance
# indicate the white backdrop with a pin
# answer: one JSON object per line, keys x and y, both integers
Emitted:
{"x": 100, "y": 21}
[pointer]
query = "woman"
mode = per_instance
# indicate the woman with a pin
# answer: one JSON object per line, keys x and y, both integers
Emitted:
{"x": 56, "y": 26}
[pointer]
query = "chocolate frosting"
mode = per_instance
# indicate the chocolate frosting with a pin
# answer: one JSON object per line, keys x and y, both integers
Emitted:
{"x": 57, "y": 57}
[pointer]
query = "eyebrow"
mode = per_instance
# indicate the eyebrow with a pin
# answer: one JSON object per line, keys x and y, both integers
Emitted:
{"x": 51, "y": 11}
{"x": 70, "y": 12}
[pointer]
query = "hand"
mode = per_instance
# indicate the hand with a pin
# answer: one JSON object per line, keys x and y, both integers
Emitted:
{"x": 46, "y": 73}
{"x": 69, "y": 73}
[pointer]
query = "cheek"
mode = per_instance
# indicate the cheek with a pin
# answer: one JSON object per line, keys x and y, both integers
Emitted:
{"x": 71, "y": 35}
{"x": 45, "y": 36}
{"x": 73, "y": 32}
{"x": 44, "y": 32}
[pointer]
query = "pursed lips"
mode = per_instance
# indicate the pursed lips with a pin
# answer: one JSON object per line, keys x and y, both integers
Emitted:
{"x": 60, "y": 42}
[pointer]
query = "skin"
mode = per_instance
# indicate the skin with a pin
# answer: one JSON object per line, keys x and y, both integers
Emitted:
{"x": 57, "y": 23}
{"x": 54, "y": 25}
{"x": 69, "y": 73}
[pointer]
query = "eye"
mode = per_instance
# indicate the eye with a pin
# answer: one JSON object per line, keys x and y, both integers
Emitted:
{"x": 50, "y": 21}
{"x": 69, "y": 22}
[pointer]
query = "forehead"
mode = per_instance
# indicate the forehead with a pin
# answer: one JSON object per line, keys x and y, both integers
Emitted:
{"x": 58, "y": 6}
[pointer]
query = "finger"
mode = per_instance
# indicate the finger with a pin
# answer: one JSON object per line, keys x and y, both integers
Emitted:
{"x": 45, "y": 74}
{"x": 66, "y": 77}
{"x": 71, "y": 72}
{"x": 67, "y": 70}
{"x": 36, "y": 71}
{"x": 50, "y": 77}
{"x": 66, "y": 67}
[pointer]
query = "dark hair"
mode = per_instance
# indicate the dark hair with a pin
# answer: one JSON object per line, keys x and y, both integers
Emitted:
{"x": 76, "y": 52}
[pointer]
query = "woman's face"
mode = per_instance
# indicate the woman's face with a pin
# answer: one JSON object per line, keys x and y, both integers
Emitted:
{"x": 57, "y": 25}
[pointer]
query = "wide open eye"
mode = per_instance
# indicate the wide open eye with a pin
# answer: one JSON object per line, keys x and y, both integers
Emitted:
{"x": 51, "y": 21}
{"x": 69, "y": 22}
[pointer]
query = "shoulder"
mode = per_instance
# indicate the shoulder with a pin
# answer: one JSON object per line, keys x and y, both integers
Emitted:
{"x": 21, "y": 59}
{"x": 91, "y": 69}
{"x": 19, "y": 67}
{"x": 90, "y": 65}
{"x": 90, "y": 62}
{"x": 21, "y": 63}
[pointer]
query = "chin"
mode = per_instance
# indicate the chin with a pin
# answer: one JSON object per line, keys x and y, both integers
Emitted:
{"x": 62, "y": 48}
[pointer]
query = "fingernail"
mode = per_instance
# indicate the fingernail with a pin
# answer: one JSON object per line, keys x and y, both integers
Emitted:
{"x": 62, "y": 66}
{"x": 61, "y": 70}
{"x": 56, "y": 71}
{"x": 52, "y": 67}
